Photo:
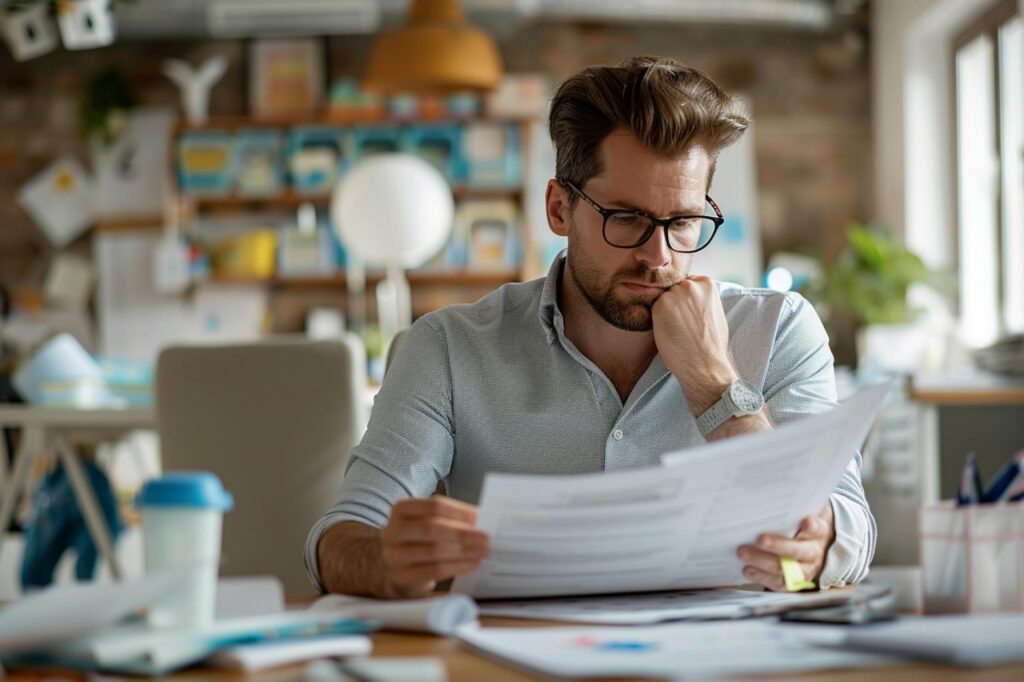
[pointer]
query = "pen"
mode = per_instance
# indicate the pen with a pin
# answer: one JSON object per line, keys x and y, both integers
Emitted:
{"x": 1007, "y": 482}
{"x": 969, "y": 491}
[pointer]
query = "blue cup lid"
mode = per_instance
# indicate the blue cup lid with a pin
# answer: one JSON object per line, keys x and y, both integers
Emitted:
{"x": 199, "y": 489}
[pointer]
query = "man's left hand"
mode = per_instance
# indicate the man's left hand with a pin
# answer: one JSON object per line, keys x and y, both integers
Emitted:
{"x": 808, "y": 547}
{"x": 692, "y": 336}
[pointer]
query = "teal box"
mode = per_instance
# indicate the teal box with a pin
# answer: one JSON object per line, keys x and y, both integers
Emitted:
{"x": 203, "y": 162}
{"x": 370, "y": 140}
{"x": 317, "y": 158}
{"x": 492, "y": 155}
{"x": 258, "y": 162}
{"x": 441, "y": 145}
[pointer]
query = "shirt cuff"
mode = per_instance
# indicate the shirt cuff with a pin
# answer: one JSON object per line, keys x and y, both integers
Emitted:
{"x": 845, "y": 558}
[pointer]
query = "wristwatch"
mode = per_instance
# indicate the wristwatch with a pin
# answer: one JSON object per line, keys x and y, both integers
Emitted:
{"x": 739, "y": 400}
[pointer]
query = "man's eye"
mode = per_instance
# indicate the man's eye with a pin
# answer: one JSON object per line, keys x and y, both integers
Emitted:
{"x": 627, "y": 219}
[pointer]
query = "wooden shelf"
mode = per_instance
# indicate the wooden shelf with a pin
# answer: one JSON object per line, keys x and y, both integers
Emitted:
{"x": 416, "y": 278}
{"x": 234, "y": 123}
{"x": 290, "y": 199}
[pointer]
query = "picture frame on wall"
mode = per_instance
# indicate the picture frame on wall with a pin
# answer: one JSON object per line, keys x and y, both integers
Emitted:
{"x": 286, "y": 77}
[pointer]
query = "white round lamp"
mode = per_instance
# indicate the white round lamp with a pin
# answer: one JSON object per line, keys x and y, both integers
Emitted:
{"x": 393, "y": 211}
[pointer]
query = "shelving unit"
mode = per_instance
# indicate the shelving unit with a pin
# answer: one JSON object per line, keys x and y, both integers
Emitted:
{"x": 431, "y": 287}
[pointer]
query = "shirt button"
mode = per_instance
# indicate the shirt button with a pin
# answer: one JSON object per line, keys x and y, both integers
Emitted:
{"x": 617, "y": 434}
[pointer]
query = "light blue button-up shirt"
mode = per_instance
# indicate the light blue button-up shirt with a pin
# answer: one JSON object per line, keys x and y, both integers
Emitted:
{"x": 497, "y": 386}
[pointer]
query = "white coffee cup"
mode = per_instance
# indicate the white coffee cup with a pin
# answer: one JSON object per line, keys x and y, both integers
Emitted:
{"x": 182, "y": 514}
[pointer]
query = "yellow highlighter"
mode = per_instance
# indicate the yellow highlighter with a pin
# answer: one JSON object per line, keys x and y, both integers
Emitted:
{"x": 793, "y": 575}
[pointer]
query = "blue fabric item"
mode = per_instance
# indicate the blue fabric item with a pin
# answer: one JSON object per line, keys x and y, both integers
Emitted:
{"x": 185, "y": 489}
{"x": 58, "y": 525}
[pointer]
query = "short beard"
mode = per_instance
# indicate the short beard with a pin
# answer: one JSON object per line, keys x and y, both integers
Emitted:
{"x": 634, "y": 316}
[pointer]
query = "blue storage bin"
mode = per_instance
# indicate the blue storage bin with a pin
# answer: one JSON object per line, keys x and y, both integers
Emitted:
{"x": 441, "y": 145}
{"x": 369, "y": 140}
{"x": 317, "y": 157}
{"x": 258, "y": 163}
{"x": 204, "y": 162}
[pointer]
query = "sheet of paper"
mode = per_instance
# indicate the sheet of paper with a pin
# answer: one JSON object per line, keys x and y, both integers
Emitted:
{"x": 63, "y": 612}
{"x": 245, "y": 596}
{"x": 963, "y": 640}
{"x": 679, "y": 651}
{"x": 439, "y": 615}
{"x": 663, "y": 528}
{"x": 657, "y": 607}
{"x": 254, "y": 657}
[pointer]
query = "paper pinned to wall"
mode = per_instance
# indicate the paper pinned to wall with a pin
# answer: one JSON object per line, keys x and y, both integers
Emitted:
{"x": 61, "y": 201}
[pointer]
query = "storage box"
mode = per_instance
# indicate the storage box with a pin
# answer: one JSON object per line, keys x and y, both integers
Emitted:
{"x": 441, "y": 145}
{"x": 492, "y": 155}
{"x": 316, "y": 158}
{"x": 204, "y": 163}
{"x": 258, "y": 165}
{"x": 972, "y": 558}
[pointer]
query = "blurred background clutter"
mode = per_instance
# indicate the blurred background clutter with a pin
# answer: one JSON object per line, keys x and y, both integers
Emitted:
{"x": 199, "y": 172}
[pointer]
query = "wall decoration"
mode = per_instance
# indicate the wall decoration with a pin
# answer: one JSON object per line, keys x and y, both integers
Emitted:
{"x": 69, "y": 282}
{"x": 130, "y": 174}
{"x": 61, "y": 201}
{"x": 29, "y": 32}
{"x": 85, "y": 24}
{"x": 195, "y": 85}
{"x": 286, "y": 77}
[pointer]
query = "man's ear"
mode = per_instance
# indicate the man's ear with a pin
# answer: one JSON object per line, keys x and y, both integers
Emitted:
{"x": 556, "y": 204}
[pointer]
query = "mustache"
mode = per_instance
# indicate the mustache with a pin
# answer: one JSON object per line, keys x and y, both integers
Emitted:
{"x": 648, "y": 277}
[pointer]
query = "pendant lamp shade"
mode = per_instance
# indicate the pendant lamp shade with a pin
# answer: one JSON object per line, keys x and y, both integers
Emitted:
{"x": 435, "y": 52}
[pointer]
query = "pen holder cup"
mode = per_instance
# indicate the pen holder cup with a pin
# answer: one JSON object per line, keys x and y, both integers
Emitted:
{"x": 972, "y": 558}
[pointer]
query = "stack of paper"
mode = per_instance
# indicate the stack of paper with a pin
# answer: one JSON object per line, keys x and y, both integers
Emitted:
{"x": 663, "y": 528}
{"x": 91, "y": 627}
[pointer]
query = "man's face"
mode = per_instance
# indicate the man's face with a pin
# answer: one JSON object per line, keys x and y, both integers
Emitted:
{"x": 621, "y": 285}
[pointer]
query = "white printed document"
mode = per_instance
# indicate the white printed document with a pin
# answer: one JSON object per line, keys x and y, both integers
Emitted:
{"x": 680, "y": 651}
{"x": 663, "y": 528}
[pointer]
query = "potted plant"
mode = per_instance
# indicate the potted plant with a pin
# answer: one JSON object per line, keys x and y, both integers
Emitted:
{"x": 869, "y": 282}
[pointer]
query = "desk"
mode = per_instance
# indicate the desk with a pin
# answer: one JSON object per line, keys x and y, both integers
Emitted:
{"x": 45, "y": 426}
{"x": 466, "y": 666}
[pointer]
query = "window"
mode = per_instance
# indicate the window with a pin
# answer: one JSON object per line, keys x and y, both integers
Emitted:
{"x": 989, "y": 68}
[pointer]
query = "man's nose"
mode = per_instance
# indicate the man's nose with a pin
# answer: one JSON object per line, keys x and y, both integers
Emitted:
{"x": 654, "y": 253}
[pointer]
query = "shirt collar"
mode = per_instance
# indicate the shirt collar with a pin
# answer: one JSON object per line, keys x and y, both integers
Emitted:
{"x": 550, "y": 316}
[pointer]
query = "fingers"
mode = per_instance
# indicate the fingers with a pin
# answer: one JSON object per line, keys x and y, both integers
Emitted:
{"x": 432, "y": 530}
{"x": 431, "y": 573}
{"x": 431, "y": 539}
{"x": 436, "y": 506}
{"x": 764, "y": 568}
{"x": 773, "y": 581}
{"x": 415, "y": 554}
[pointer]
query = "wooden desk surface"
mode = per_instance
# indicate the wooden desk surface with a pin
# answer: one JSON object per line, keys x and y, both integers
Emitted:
{"x": 466, "y": 666}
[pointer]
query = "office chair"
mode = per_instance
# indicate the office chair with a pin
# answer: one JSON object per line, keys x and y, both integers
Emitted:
{"x": 275, "y": 420}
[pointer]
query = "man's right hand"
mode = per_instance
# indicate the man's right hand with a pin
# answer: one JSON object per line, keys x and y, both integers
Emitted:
{"x": 428, "y": 540}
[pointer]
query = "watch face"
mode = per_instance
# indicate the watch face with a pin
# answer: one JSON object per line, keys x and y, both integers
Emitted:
{"x": 746, "y": 396}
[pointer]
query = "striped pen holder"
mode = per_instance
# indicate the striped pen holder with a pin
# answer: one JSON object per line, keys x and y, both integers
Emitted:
{"x": 972, "y": 557}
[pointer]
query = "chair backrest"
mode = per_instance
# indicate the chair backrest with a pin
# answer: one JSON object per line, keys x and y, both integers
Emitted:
{"x": 275, "y": 420}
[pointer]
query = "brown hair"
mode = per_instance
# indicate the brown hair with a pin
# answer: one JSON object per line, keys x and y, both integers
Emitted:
{"x": 668, "y": 106}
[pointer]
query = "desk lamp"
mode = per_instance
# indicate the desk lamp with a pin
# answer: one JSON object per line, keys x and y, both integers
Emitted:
{"x": 393, "y": 211}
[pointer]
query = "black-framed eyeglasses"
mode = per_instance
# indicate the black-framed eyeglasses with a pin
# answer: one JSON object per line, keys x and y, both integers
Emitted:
{"x": 626, "y": 229}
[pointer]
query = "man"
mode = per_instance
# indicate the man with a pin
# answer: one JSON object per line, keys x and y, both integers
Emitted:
{"x": 617, "y": 356}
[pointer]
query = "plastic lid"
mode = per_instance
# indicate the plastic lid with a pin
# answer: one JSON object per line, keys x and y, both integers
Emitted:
{"x": 185, "y": 489}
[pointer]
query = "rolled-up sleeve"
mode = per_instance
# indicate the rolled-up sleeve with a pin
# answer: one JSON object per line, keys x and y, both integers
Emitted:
{"x": 409, "y": 442}
{"x": 801, "y": 381}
